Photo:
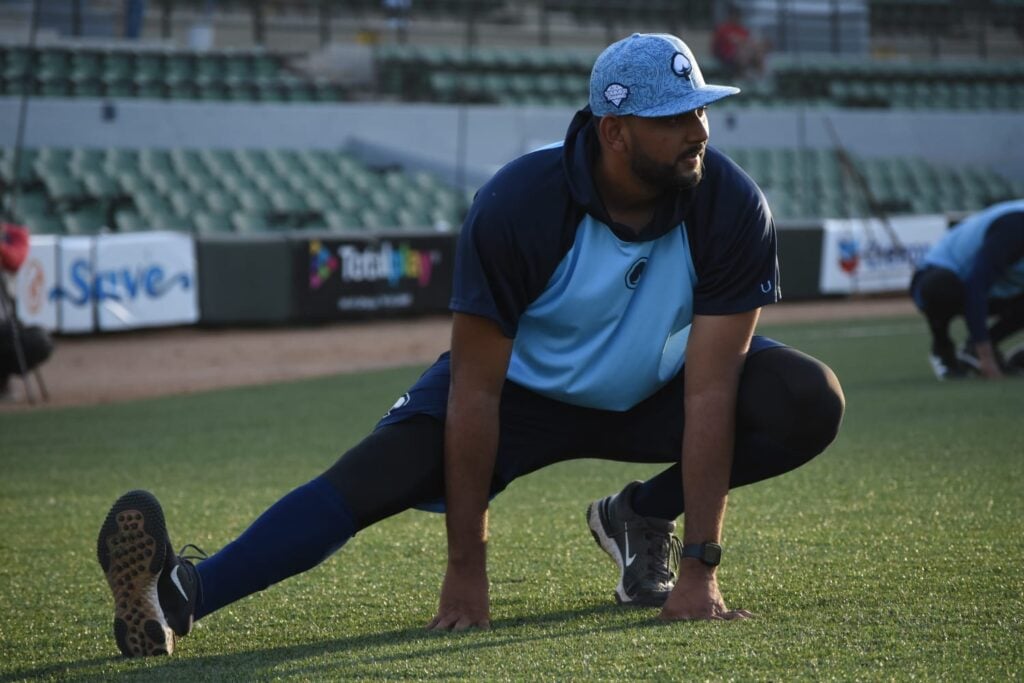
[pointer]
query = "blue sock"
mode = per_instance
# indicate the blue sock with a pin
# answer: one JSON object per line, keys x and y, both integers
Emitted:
{"x": 296, "y": 533}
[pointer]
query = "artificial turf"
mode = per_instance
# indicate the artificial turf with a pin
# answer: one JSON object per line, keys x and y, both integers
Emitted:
{"x": 898, "y": 554}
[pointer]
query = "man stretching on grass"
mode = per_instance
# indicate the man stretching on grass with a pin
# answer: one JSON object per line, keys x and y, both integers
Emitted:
{"x": 605, "y": 297}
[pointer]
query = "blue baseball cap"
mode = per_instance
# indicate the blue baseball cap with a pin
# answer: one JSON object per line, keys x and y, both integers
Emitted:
{"x": 650, "y": 74}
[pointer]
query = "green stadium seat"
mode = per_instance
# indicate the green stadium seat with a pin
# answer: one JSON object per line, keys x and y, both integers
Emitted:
{"x": 127, "y": 220}
{"x": 253, "y": 201}
{"x": 117, "y": 66}
{"x": 87, "y": 220}
{"x": 372, "y": 219}
{"x": 180, "y": 90}
{"x": 150, "y": 203}
{"x": 286, "y": 202}
{"x": 183, "y": 202}
{"x": 101, "y": 186}
{"x": 318, "y": 199}
{"x": 134, "y": 182}
{"x": 207, "y": 223}
{"x": 250, "y": 221}
{"x": 152, "y": 90}
{"x": 42, "y": 223}
{"x": 178, "y": 68}
{"x": 169, "y": 221}
{"x": 63, "y": 188}
{"x": 165, "y": 181}
{"x": 342, "y": 221}
{"x": 412, "y": 218}
{"x": 120, "y": 89}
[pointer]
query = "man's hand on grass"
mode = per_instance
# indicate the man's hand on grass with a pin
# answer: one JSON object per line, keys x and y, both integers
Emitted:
{"x": 465, "y": 602}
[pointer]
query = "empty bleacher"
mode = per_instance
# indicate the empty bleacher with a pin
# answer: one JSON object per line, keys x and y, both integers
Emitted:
{"x": 158, "y": 74}
{"x": 239, "y": 191}
{"x": 84, "y": 191}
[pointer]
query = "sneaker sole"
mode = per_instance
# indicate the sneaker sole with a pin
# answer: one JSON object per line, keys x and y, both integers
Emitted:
{"x": 131, "y": 549}
{"x": 609, "y": 546}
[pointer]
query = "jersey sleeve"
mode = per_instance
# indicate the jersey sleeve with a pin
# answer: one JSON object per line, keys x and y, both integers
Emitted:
{"x": 737, "y": 262}
{"x": 487, "y": 281}
{"x": 521, "y": 223}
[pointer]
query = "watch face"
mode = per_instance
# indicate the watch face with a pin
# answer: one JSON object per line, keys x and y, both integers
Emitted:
{"x": 712, "y": 554}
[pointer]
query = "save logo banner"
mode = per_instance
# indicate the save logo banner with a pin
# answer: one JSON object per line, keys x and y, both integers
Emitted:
{"x": 110, "y": 282}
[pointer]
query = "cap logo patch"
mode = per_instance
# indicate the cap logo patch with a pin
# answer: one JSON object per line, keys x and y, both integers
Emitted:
{"x": 681, "y": 65}
{"x": 616, "y": 93}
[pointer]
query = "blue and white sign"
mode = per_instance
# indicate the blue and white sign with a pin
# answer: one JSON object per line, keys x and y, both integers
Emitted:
{"x": 865, "y": 255}
{"x": 143, "y": 280}
{"x": 35, "y": 280}
{"x": 110, "y": 282}
{"x": 75, "y": 314}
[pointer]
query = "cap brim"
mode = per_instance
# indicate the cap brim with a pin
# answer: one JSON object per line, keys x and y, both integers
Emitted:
{"x": 694, "y": 100}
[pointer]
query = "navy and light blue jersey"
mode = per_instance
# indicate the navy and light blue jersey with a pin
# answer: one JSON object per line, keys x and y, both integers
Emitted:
{"x": 986, "y": 252}
{"x": 599, "y": 314}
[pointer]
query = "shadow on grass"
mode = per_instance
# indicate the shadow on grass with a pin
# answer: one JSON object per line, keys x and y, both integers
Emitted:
{"x": 255, "y": 664}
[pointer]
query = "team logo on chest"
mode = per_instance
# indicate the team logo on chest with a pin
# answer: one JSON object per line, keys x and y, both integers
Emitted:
{"x": 635, "y": 272}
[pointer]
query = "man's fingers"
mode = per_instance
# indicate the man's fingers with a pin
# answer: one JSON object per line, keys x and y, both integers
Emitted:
{"x": 455, "y": 622}
{"x": 737, "y": 614}
{"x": 467, "y": 623}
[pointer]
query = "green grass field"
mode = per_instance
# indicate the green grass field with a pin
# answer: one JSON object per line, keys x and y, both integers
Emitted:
{"x": 898, "y": 554}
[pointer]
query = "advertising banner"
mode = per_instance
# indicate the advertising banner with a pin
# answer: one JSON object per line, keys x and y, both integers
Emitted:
{"x": 109, "y": 282}
{"x": 867, "y": 255}
{"x": 342, "y": 279}
{"x": 71, "y": 293}
{"x": 145, "y": 280}
{"x": 35, "y": 280}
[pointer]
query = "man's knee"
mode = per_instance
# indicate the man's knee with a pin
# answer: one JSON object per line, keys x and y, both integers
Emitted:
{"x": 792, "y": 399}
{"x": 821, "y": 404}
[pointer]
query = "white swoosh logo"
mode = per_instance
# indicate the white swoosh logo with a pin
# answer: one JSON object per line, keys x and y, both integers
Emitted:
{"x": 177, "y": 582}
{"x": 629, "y": 558}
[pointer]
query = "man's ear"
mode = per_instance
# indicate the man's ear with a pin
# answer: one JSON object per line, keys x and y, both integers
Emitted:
{"x": 614, "y": 133}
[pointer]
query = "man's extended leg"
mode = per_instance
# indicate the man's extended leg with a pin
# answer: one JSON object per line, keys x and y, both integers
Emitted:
{"x": 395, "y": 467}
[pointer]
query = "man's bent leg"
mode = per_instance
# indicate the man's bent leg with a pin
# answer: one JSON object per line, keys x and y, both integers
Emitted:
{"x": 1009, "y": 318}
{"x": 939, "y": 295}
{"x": 789, "y": 408}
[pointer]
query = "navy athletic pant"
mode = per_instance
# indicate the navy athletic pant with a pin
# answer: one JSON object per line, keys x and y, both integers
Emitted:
{"x": 789, "y": 409}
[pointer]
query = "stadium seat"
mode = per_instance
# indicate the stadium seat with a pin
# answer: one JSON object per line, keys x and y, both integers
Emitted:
{"x": 207, "y": 223}
{"x": 250, "y": 221}
{"x": 127, "y": 220}
{"x": 87, "y": 220}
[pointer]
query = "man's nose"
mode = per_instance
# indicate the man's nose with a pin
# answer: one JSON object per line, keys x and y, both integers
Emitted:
{"x": 696, "y": 128}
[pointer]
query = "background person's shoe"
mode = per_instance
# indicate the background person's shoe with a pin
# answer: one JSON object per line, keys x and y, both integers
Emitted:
{"x": 135, "y": 553}
{"x": 947, "y": 366}
{"x": 645, "y": 549}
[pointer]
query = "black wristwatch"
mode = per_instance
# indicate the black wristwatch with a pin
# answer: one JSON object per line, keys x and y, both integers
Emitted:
{"x": 708, "y": 553}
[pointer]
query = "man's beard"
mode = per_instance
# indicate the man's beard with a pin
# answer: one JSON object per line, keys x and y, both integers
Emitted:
{"x": 664, "y": 177}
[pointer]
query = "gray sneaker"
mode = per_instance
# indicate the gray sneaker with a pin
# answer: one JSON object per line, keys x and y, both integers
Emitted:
{"x": 645, "y": 548}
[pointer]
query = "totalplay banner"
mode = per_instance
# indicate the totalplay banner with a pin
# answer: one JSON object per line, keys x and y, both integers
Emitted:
{"x": 342, "y": 279}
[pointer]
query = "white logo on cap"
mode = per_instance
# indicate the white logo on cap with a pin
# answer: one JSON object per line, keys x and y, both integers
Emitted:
{"x": 616, "y": 93}
{"x": 681, "y": 65}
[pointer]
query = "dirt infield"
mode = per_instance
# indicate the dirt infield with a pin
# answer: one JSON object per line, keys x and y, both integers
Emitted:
{"x": 125, "y": 366}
